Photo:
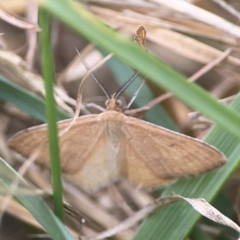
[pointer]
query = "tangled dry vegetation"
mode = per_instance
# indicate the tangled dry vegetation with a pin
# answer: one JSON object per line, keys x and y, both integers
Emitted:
{"x": 200, "y": 39}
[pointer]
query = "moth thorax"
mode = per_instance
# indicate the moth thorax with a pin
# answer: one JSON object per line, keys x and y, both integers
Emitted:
{"x": 114, "y": 133}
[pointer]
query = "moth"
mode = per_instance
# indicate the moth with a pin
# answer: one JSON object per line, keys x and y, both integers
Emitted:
{"x": 102, "y": 148}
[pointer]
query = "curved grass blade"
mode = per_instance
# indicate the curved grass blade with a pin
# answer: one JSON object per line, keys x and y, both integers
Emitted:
{"x": 25, "y": 100}
{"x": 35, "y": 205}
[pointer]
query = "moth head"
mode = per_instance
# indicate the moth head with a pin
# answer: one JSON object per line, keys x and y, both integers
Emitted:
{"x": 113, "y": 104}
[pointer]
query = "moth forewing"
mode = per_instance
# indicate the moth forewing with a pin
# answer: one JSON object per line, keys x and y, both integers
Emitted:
{"x": 73, "y": 147}
{"x": 169, "y": 154}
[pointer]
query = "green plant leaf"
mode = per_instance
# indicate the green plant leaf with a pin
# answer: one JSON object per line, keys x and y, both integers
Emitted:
{"x": 47, "y": 64}
{"x": 34, "y": 204}
{"x": 199, "y": 234}
{"x": 25, "y": 100}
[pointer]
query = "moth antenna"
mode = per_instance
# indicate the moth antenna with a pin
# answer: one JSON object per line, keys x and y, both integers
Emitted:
{"x": 126, "y": 85}
{"x": 92, "y": 74}
{"x": 134, "y": 96}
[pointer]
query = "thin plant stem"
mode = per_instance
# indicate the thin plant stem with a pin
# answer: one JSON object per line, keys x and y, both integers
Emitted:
{"x": 48, "y": 75}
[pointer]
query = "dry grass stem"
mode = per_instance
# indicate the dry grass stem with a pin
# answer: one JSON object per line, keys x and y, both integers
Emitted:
{"x": 136, "y": 217}
{"x": 228, "y": 8}
{"x": 15, "y": 66}
{"x": 17, "y": 210}
{"x": 79, "y": 95}
{"x": 32, "y": 16}
{"x": 117, "y": 196}
{"x": 164, "y": 20}
{"x": 193, "y": 78}
{"x": 12, "y": 190}
{"x": 175, "y": 42}
{"x": 64, "y": 75}
{"x": 85, "y": 205}
{"x": 202, "y": 15}
{"x": 17, "y": 22}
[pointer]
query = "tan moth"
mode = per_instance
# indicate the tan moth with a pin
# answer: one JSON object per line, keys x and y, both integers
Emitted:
{"x": 100, "y": 149}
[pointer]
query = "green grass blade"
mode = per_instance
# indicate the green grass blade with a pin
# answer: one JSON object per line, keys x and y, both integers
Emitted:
{"x": 34, "y": 204}
{"x": 175, "y": 221}
{"x": 25, "y": 100}
{"x": 199, "y": 234}
{"x": 81, "y": 20}
{"x": 48, "y": 75}
{"x": 122, "y": 73}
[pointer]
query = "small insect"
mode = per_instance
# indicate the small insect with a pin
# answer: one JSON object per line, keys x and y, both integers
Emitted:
{"x": 140, "y": 37}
